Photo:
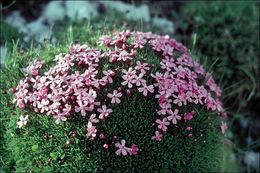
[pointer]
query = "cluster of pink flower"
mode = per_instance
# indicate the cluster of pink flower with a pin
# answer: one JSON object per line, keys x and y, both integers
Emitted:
{"x": 74, "y": 84}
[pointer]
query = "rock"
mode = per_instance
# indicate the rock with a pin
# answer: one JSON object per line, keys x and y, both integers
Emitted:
{"x": 80, "y": 10}
{"x": 252, "y": 159}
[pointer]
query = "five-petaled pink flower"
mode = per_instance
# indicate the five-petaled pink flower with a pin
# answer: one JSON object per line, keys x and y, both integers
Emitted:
{"x": 104, "y": 112}
{"x": 174, "y": 116}
{"x": 142, "y": 67}
{"x": 144, "y": 89}
{"x": 122, "y": 149}
{"x": 162, "y": 124}
{"x": 115, "y": 96}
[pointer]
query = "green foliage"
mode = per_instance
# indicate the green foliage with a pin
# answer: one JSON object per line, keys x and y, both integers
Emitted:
{"x": 8, "y": 34}
{"x": 42, "y": 145}
{"x": 227, "y": 31}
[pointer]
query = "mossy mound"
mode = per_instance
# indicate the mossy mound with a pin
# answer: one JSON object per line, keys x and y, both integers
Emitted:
{"x": 44, "y": 146}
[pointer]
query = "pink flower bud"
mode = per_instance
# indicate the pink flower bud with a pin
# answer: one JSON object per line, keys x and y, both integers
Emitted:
{"x": 101, "y": 136}
{"x": 21, "y": 105}
{"x": 36, "y": 110}
{"x": 105, "y": 146}
{"x": 11, "y": 90}
{"x": 68, "y": 142}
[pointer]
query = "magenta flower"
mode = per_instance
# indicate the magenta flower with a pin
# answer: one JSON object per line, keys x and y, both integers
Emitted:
{"x": 115, "y": 96}
{"x": 122, "y": 149}
{"x": 104, "y": 112}
{"x": 188, "y": 116}
{"x": 133, "y": 150}
{"x": 162, "y": 124}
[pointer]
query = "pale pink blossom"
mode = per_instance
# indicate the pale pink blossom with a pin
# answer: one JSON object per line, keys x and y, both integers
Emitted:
{"x": 162, "y": 124}
{"x": 93, "y": 118}
{"x": 81, "y": 108}
{"x": 115, "y": 96}
{"x": 142, "y": 67}
{"x": 91, "y": 131}
{"x": 59, "y": 118}
{"x": 122, "y": 149}
{"x": 104, "y": 112}
{"x": 144, "y": 89}
{"x": 139, "y": 80}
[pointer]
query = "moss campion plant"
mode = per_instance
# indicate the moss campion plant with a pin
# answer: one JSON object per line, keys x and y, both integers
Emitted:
{"x": 154, "y": 73}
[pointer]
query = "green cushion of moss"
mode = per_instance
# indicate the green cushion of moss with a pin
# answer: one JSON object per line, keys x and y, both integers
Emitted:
{"x": 41, "y": 145}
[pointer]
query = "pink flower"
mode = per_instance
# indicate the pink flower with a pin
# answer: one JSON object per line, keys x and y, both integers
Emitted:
{"x": 128, "y": 76}
{"x": 101, "y": 136}
{"x": 104, "y": 112}
{"x": 139, "y": 80}
{"x": 115, "y": 96}
{"x": 91, "y": 131}
{"x": 104, "y": 40}
{"x": 165, "y": 107}
{"x": 223, "y": 127}
{"x": 162, "y": 124}
{"x": 93, "y": 118}
{"x": 122, "y": 149}
{"x": 108, "y": 75}
{"x": 81, "y": 108}
{"x": 105, "y": 146}
{"x": 158, "y": 136}
{"x": 124, "y": 56}
{"x": 142, "y": 67}
{"x": 189, "y": 128}
{"x": 174, "y": 116}
{"x": 180, "y": 99}
{"x": 59, "y": 118}
{"x": 145, "y": 89}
